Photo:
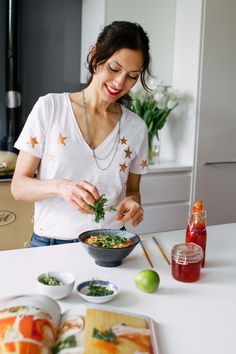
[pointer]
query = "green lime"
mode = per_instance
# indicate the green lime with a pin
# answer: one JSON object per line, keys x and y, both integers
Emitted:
{"x": 147, "y": 280}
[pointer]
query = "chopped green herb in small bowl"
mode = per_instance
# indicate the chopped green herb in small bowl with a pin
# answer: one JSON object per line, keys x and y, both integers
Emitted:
{"x": 98, "y": 291}
{"x": 49, "y": 280}
{"x": 56, "y": 284}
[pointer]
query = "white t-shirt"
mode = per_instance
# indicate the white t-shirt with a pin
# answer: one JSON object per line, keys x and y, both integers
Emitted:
{"x": 51, "y": 133}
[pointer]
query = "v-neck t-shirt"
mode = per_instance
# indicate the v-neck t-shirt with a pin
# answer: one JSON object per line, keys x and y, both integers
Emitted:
{"x": 52, "y": 134}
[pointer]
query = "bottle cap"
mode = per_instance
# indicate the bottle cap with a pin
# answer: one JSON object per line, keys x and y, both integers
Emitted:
{"x": 198, "y": 206}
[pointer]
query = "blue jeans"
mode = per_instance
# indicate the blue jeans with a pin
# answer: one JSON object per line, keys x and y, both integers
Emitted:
{"x": 39, "y": 241}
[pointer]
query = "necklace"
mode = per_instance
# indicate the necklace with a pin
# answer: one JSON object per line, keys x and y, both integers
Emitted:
{"x": 111, "y": 154}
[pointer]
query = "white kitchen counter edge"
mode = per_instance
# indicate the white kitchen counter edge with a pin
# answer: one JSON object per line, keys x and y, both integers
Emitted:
{"x": 169, "y": 166}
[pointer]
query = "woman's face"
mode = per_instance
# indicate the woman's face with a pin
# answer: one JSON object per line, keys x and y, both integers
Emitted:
{"x": 118, "y": 74}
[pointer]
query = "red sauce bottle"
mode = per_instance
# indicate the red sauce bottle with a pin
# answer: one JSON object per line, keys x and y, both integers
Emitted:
{"x": 196, "y": 230}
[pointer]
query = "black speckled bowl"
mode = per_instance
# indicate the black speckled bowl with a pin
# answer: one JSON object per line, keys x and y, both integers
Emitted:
{"x": 109, "y": 257}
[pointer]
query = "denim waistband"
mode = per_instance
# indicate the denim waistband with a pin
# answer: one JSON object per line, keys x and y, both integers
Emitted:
{"x": 37, "y": 240}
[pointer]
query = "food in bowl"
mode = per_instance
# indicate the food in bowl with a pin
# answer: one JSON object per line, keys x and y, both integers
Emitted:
{"x": 50, "y": 280}
{"x": 96, "y": 289}
{"x": 109, "y": 256}
{"x": 108, "y": 241}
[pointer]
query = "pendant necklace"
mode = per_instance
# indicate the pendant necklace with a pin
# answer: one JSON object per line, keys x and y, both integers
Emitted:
{"x": 114, "y": 147}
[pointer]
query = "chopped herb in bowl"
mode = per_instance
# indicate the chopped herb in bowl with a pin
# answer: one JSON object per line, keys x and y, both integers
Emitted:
{"x": 108, "y": 241}
{"x": 50, "y": 280}
{"x": 98, "y": 290}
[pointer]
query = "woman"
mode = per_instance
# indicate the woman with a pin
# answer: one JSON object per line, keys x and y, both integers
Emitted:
{"x": 85, "y": 144}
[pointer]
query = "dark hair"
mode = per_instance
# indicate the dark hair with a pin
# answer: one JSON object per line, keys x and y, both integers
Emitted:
{"x": 118, "y": 35}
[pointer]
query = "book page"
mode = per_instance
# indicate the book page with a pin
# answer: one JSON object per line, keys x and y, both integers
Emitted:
{"x": 28, "y": 324}
{"x": 113, "y": 331}
{"x": 105, "y": 330}
{"x": 70, "y": 337}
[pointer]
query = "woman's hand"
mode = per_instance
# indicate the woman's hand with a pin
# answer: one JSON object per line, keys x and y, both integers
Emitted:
{"x": 130, "y": 211}
{"x": 79, "y": 194}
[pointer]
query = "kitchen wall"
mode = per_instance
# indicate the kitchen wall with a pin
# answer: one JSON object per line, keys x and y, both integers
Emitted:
{"x": 49, "y": 50}
{"x": 156, "y": 16}
{"x": 174, "y": 28}
{"x": 178, "y": 135}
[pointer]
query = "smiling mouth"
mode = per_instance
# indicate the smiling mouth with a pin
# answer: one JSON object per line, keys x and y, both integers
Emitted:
{"x": 112, "y": 91}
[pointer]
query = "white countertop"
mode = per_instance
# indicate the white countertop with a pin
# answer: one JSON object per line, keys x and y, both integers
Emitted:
{"x": 169, "y": 166}
{"x": 192, "y": 318}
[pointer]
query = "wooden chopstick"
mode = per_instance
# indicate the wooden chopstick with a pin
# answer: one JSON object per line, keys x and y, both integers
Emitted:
{"x": 161, "y": 250}
{"x": 146, "y": 254}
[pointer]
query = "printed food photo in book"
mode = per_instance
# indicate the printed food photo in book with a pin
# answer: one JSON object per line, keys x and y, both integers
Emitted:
{"x": 41, "y": 328}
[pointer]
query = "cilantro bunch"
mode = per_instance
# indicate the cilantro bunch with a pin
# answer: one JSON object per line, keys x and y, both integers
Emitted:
{"x": 99, "y": 208}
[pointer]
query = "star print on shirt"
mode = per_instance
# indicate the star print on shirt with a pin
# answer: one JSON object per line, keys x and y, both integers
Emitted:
{"x": 144, "y": 164}
{"x": 128, "y": 152}
{"x": 51, "y": 157}
{"x": 33, "y": 141}
{"x": 123, "y": 140}
{"x": 123, "y": 167}
{"x": 61, "y": 139}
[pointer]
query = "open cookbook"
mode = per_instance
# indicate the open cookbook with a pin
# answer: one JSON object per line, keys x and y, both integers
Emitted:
{"x": 34, "y": 324}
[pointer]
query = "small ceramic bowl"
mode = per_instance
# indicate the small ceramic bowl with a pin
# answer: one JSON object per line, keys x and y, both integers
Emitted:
{"x": 57, "y": 291}
{"x": 109, "y": 257}
{"x": 83, "y": 290}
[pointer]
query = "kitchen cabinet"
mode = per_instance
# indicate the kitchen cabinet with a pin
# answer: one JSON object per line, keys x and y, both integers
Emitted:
{"x": 15, "y": 220}
{"x": 165, "y": 194}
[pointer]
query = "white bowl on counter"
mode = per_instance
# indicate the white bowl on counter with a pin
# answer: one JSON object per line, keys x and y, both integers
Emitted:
{"x": 57, "y": 292}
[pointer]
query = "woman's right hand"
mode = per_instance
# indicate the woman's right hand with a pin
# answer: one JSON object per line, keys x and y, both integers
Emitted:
{"x": 79, "y": 194}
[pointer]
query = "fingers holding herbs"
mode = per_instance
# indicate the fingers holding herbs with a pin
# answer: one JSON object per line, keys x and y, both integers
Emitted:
{"x": 80, "y": 195}
{"x": 84, "y": 197}
{"x": 129, "y": 211}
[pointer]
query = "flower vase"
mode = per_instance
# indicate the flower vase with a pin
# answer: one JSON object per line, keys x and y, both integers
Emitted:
{"x": 153, "y": 149}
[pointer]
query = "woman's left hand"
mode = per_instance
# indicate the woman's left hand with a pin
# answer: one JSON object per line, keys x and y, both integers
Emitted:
{"x": 130, "y": 211}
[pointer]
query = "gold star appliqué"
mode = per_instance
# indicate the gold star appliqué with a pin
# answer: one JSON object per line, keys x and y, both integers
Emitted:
{"x": 123, "y": 167}
{"x": 128, "y": 152}
{"x": 33, "y": 141}
{"x": 61, "y": 139}
{"x": 123, "y": 140}
{"x": 144, "y": 164}
{"x": 51, "y": 157}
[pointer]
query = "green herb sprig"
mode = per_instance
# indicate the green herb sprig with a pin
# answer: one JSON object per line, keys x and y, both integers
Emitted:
{"x": 107, "y": 336}
{"x": 99, "y": 208}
